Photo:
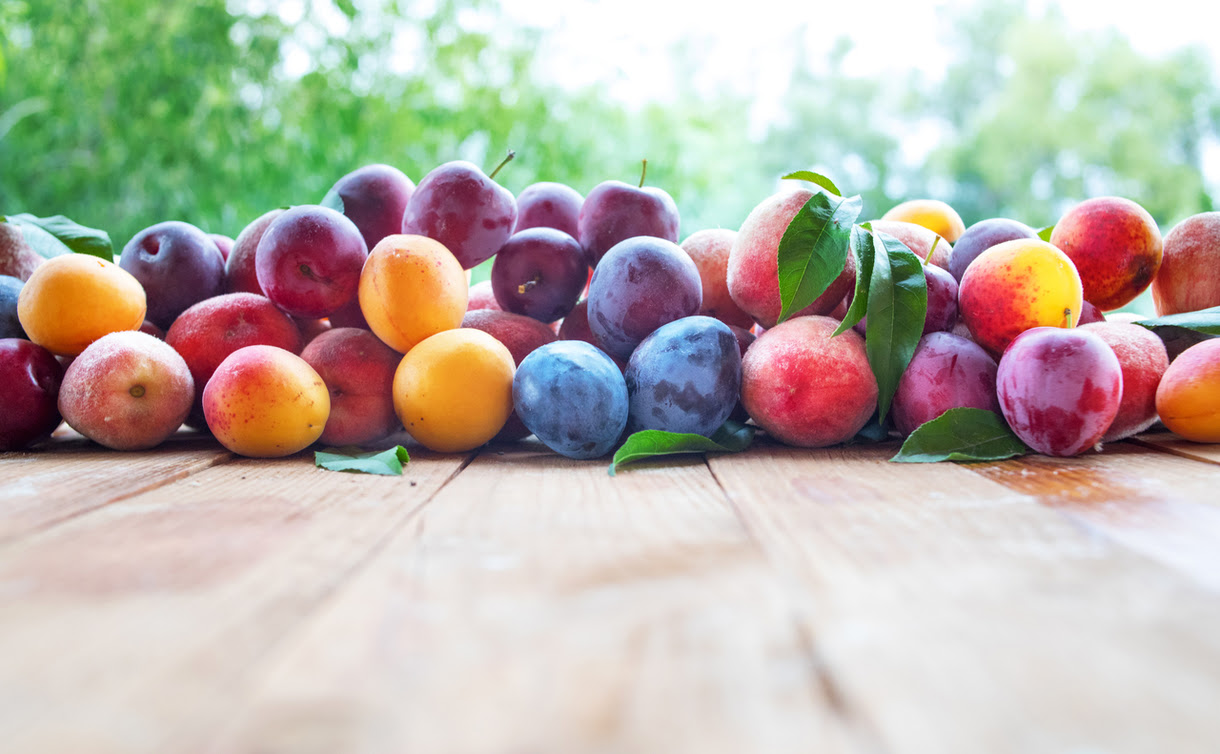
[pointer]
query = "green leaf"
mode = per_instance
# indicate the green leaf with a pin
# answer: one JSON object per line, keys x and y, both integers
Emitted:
{"x": 1045, "y": 233}
{"x": 897, "y": 306}
{"x": 862, "y": 247}
{"x": 1204, "y": 321}
{"x": 961, "y": 434}
{"x": 53, "y": 236}
{"x": 332, "y": 200}
{"x": 815, "y": 178}
{"x": 385, "y": 462}
{"x": 733, "y": 437}
{"x": 813, "y": 250}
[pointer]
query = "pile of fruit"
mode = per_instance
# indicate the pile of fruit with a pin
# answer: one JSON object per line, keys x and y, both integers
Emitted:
{"x": 344, "y": 322}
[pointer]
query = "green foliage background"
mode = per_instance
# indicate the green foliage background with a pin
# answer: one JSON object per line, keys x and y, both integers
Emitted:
{"x": 123, "y": 113}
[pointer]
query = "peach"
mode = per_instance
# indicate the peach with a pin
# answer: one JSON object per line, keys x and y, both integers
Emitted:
{"x": 1115, "y": 245}
{"x": 74, "y": 299}
{"x": 753, "y": 268}
{"x": 1188, "y": 398}
{"x": 1015, "y": 286}
{"x": 127, "y": 391}
{"x": 806, "y": 387}
{"x": 919, "y": 240}
{"x": 1189, "y": 277}
{"x": 481, "y": 296}
{"x": 1143, "y": 359}
{"x": 710, "y": 250}
{"x": 17, "y": 257}
{"x": 454, "y": 390}
{"x": 266, "y": 402}
{"x": 932, "y": 214}
{"x": 411, "y": 287}
{"x": 240, "y": 273}
{"x": 521, "y": 335}
{"x": 358, "y": 370}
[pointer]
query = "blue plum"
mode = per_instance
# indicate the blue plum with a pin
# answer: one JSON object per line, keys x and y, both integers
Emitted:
{"x": 572, "y": 397}
{"x": 10, "y": 289}
{"x": 685, "y": 377}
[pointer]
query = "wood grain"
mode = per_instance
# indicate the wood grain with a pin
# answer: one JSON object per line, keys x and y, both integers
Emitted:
{"x": 958, "y": 614}
{"x": 538, "y": 605}
{"x": 1171, "y": 443}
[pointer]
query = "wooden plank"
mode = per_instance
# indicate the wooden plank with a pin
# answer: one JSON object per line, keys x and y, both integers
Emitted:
{"x": 130, "y": 628}
{"x": 538, "y": 605}
{"x": 1171, "y": 443}
{"x": 959, "y": 614}
{"x": 71, "y": 476}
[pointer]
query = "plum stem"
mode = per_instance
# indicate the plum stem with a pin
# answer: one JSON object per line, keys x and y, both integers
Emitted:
{"x": 928, "y": 258}
{"x": 505, "y": 161}
{"x": 643, "y": 172}
{"x": 528, "y": 284}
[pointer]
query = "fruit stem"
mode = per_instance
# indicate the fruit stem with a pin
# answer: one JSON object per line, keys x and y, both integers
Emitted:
{"x": 928, "y": 258}
{"x": 505, "y": 161}
{"x": 643, "y": 172}
{"x": 1067, "y": 317}
{"x": 528, "y": 284}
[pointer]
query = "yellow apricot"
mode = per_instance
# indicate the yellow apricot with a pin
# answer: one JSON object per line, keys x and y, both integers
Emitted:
{"x": 73, "y": 299}
{"x": 454, "y": 391}
{"x": 932, "y": 214}
{"x": 265, "y": 402}
{"x": 411, "y": 287}
{"x": 1188, "y": 396}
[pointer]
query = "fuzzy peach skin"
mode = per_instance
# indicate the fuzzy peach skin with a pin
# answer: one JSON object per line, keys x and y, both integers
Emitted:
{"x": 74, "y": 299}
{"x": 933, "y": 214}
{"x": 454, "y": 390}
{"x": 358, "y": 370}
{"x": 1189, "y": 277}
{"x": 805, "y": 387}
{"x": 412, "y": 287}
{"x": 710, "y": 250}
{"x": 265, "y": 402}
{"x": 753, "y": 268}
{"x": 1115, "y": 245}
{"x": 1015, "y": 286}
{"x": 1143, "y": 359}
{"x": 127, "y": 391}
{"x": 1188, "y": 398}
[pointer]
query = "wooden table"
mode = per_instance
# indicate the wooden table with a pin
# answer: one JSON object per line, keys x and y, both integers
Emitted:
{"x": 510, "y": 601}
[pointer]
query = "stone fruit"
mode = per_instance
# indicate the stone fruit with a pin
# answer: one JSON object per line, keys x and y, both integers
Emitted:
{"x": 573, "y": 397}
{"x": 481, "y": 296}
{"x": 30, "y": 377}
{"x": 753, "y": 268}
{"x": 947, "y": 371}
{"x": 74, "y": 299}
{"x": 1015, "y": 286}
{"x": 982, "y": 236}
{"x": 1188, "y": 397}
{"x": 411, "y": 288}
{"x": 923, "y": 243}
{"x": 127, "y": 391}
{"x": 1059, "y": 389}
{"x": 309, "y": 261}
{"x": 177, "y": 264}
{"x": 1143, "y": 360}
{"x": 539, "y": 272}
{"x": 10, "y": 323}
{"x": 615, "y": 211}
{"x": 710, "y": 251}
{"x": 17, "y": 258}
{"x": 641, "y": 284}
{"x": 454, "y": 390}
{"x": 374, "y": 197}
{"x": 241, "y": 276}
{"x": 265, "y": 402}
{"x": 549, "y": 205}
{"x": 684, "y": 377}
{"x": 223, "y": 243}
{"x": 1115, "y": 245}
{"x": 464, "y": 209}
{"x": 1189, "y": 277}
{"x": 806, "y": 387}
{"x": 521, "y": 335}
{"x": 358, "y": 370}
{"x": 932, "y": 214}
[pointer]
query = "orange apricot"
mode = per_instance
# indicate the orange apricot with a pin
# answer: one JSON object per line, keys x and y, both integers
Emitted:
{"x": 1188, "y": 396}
{"x": 73, "y": 299}
{"x": 411, "y": 287}
{"x": 932, "y": 214}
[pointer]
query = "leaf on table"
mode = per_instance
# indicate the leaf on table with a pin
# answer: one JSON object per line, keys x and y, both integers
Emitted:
{"x": 56, "y": 235}
{"x": 385, "y": 462}
{"x": 961, "y": 434}
{"x": 732, "y": 437}
{"x": 814, "y": 178}
{"x": 897, "y": 306}
{"x": 813, "y": 249}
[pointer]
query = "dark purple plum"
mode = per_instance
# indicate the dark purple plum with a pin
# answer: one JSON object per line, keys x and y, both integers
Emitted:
{"x": 1089, "y": 314}
{"x": 1059, "y": 389}
{"x": 241, "y": 276}
{"x": 641, "y": 284}
{"x": 615, "y": 211}
{"x": 464, "y": 209}
{"x": 685, "y": 377}
{"x": 178, "y": 265}
{"x": 309, "y": 261}
{"x": 374, "y": 198}
{"x": 575, "y": 326}
{"x": 549, "y": 205}
{"x": 982, "y": 236}
{"x": 10, "y": 325}
{"x": 572, "y": 397}
{"x": 942, "y": 299}
{"x": 30, "y": 377}
{"x": 947, "y": 371}
{"x": 539, "y": 272}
